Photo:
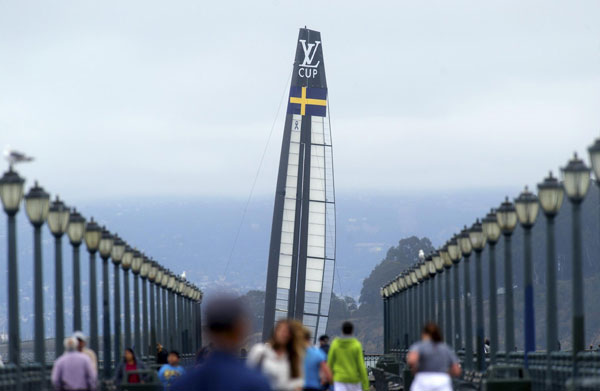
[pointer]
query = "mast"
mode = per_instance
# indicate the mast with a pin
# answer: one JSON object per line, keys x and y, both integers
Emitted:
{"x": 302, "y": 249}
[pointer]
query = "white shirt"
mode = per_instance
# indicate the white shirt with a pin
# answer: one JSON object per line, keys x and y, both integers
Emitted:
{"x": 275, "y": 367}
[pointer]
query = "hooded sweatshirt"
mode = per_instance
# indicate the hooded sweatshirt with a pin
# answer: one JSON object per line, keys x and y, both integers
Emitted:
{"x": 346, "y": 361}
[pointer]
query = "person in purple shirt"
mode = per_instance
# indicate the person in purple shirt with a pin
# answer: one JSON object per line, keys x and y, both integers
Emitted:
{"x": 73, "y": 371}
{"x": 223, "y": 370}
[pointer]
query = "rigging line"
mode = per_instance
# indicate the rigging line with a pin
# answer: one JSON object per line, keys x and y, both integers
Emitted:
{"x": 262, "y": 158}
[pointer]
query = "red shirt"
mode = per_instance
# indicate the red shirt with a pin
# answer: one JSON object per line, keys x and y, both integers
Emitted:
{"x": 134, "y": 378}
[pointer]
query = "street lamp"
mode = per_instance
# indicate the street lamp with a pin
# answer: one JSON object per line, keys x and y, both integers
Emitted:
{"x": 159, "y": 327}
{"x": 126, "y": 265}
{"x": 136, "y": 266}
{"x": 439, "y": 268}
{"x": 165, "y": 321}
{"x": 420, "y": 305}
{"x": 105, "y": 249}
{"x": 11, "y": 193}
{"x": 37, "y": 202}
{"x": 551, "y": 195}
{"x": 507, "y": 220}
{"x": 448, "y": 310}
{"x": 58, "y": 221}
{"x": 478, "y": 239}
{"x": 491, "y": 230}
{"x": 576, "y": 179}
{"x": 410, "y": 306}
{"x": 527, "y": 207}
{"x": 152, "y": 274}
{"x": 117, "y": 253}
{"x": 466, "y": 247}
{"x": 76, "y": 230}
{"x": 145, "y": 269}
{"x": 455, "y": 255}
{"x": 172, "y": 331}
{"x": 431, "y": 272}
{"x": 92, "y": 236}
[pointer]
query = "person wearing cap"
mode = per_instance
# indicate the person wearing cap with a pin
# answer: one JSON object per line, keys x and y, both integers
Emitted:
{"x": 73, "y": 370}
{"x": 227, "y": 326}
{"x": 82, "y": 347}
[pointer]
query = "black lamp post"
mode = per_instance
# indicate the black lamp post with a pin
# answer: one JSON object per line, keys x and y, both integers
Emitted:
{"x": 478, "y": 239}
{"x": 455, "y": 255}
{"x": 439, "y": 269}
{"x": 37, "y": 202}
{"x": 152, "y": 277}
{"x": 105, "y": 249}
{"x": 551, "y": 195}
{"x": 11, "y": 193}
{"x": 409, "y": 309}
{"x": 146, "y": 265}
{"x": 465, "y": 247}
{"x": 75, "y": 230}
{"x": 172, "y": 315}
{"x": 136, "y": 266}
{"x": 126, "y": 265}
{"x": 117, "y": 253}
{"x": 448, "y": 310}
{"x": 425, "y": 288}
{"x": 527, "y": 207}
{"x": 93, "y": 234}
{"x": 432, "y": 272}
{"x": 507, "y": 220}
{"x": 58, "y": 220}
{"x": 491, "y": 230}
{"x": 159, "y": 326}
{"x": 419, "y": 290}
{"x": 181, "y": 321}
{"x": 576, "y": 180}
{"x": 165, "y": 319}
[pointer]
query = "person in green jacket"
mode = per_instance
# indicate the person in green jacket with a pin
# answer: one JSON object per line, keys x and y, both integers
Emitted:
{"x": 346, "y": 361}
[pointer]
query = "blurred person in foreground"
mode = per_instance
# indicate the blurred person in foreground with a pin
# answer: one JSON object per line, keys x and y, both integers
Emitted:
{"x": 73, "y": 370}
{"x": 82, "y": 347}
{"x": 171, "y": 371}
{"x": 317, "y": 375}
{"x": 222, "y": 370}
{"x": 129, "y": 363}
{"x": 433, "y": 361}
{"x": 347, "y": 363}
{"x": 281, "y": 358}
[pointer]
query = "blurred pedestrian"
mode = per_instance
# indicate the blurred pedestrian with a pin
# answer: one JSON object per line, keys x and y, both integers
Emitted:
{"x": 171, "y": 371}
{"x": 227, "y": 326}
{"x": 129, "y": 363}
{"x": 347, "y": 362}
{"x": 317, "y": 374}
{"x": 433, "y": 361}
{"x": 73, "y": 370}
{"x": 324, "y": 343}
{"x": 161, "y": 354}
{"x": 281, "y": 358}
{"x": 82, "y": 347}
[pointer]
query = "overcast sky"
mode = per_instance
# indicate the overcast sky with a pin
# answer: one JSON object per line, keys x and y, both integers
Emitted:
{"x": 128, "y": 98}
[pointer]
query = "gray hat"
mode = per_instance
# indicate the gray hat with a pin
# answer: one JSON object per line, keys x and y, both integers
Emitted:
{"x": 80, "y": 336}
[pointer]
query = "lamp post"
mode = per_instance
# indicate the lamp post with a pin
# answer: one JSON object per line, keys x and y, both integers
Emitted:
{"x": 419, "y": 290}
{"x": 11, "y": 193}
{"x": 507, "y": 220}
{"x": 432, "y": 272}
{"x": 455, "y": 255}
{"x": 75, "y": 230}
{"x": 439, "y": 268}
{"x": 159, "y": 326}
{"x": 117, "y": 253}
{"x": 448, "y": 310}
{"x": 152, "y": 277}
{"x": 477, "y": 239}
{"x": 576, "y": 179}
{"x": 425, "y": 288}
{"x": 165, "y": 320}
{"x": 37, "y": 202}
{"x": 408, "y": 305}
{"x": 491, "y": 230}
{"x": 92, "y": 236}
{"x": 527, "y": 207}
{"x": 172, "y": 332}
{"x": 465, "y": 247}
{"x": 126, "y": 265}
{"x": 105, "y": 249}
{"x": 146, "y": 265}
{"x": 136, "y": 266}
{"x": 58, "y": 220}
{"x": 551, "y": 195}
